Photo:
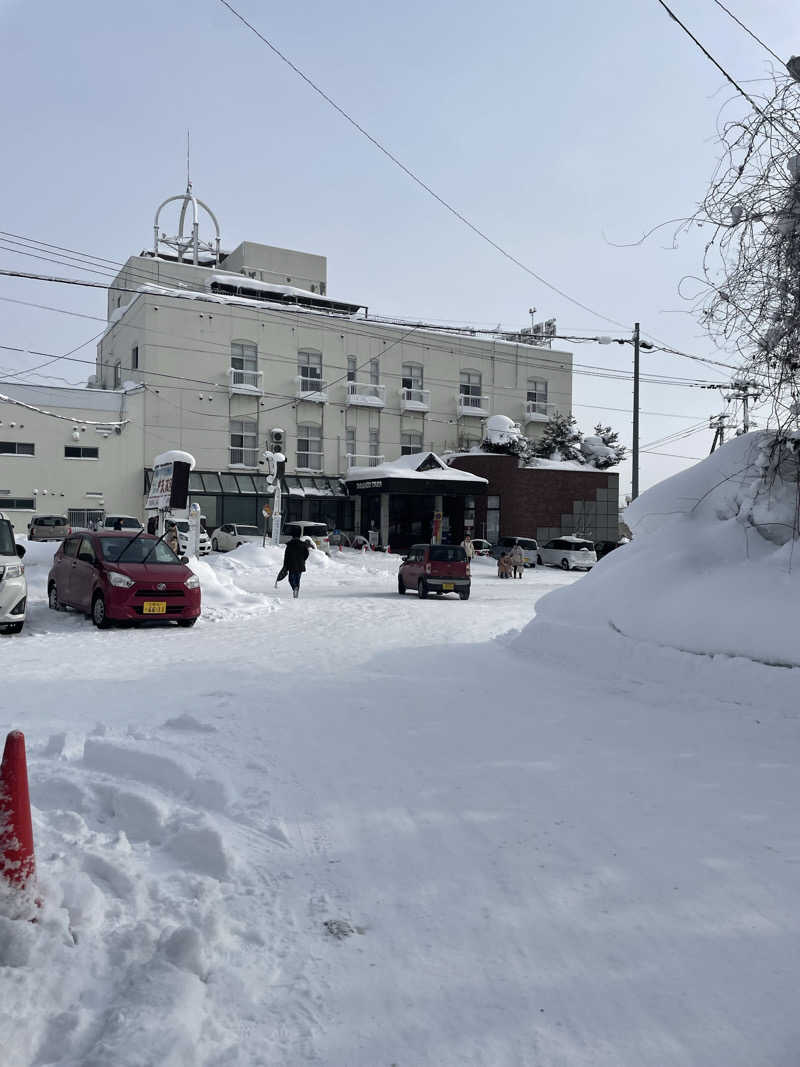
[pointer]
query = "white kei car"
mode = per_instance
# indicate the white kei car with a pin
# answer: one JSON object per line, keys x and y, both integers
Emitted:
{"x": 569, "y": 553}
{"x": 13, "y": 586}
{"x": 204, "y": 541}
{"x": 316, "y": 533}
{"x": 231, "y": 535}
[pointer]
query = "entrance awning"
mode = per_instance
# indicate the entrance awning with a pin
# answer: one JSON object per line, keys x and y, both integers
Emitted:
{"x": 420, "y": 473}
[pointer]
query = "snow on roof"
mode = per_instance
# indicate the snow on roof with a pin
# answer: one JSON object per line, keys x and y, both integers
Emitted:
{"x": 245, "y": 282}
{"x": 174, "y": 455}
{"x": 63, "y": 397}
{"x": 433, "y": 467}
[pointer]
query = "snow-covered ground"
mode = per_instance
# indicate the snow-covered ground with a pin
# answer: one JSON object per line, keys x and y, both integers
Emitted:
{"x": 362, "y": 830}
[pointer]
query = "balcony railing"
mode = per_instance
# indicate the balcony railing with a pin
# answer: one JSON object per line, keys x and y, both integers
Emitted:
{"x": 244, "y": 457}
{"x": 538, "y": 410}
{"x": 469, "y": 404}
{"x": 356, "y": 460}
{"x": 310, "y": 461}
{"x": 245, "y": 381}
{"x": 415, "y": 400}
{"x": 366, "y": 394}
{"x": 314, "y": 389}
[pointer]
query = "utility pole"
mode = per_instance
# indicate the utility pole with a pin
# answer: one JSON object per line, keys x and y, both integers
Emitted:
{"x": 635, "y": 448}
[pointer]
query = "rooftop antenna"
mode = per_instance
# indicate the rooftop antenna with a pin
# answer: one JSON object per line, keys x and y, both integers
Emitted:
{"x": 188, "y": 169}
{"x": 184, "y": 243}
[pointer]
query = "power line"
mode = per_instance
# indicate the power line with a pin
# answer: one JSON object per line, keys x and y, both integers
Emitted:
{"x": 748, "y": 30}
{"x": 414, "y": 177}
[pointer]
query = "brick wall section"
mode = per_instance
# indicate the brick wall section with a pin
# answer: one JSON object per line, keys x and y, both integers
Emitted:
{"x": 546, "y": 502}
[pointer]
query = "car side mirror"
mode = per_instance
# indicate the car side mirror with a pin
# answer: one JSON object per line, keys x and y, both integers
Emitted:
{"x": 184, "y": 559}
{"x": 20, "y": 551}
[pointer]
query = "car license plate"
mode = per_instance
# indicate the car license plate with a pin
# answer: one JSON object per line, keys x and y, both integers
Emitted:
{"x": 155, "y": 607}
{"x": 447, "y": 586}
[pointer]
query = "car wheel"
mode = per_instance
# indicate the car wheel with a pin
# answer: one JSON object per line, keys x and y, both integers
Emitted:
{"x": 401, "y": 589}
{"x": 422, "y": 590}
{"x": 215, "y": 545}
{"x": 539, "y": 561}
{"x": 564, "y": 564}
{"x": 99, "y": 617}
{"x": 187, "y": 622}
{"x": 464, "y": 594}
{"x": 52, "y": 599}
{"x": 239, "y": 544}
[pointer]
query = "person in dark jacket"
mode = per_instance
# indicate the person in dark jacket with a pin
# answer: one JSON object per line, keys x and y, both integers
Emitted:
{"x": 294, "y": 561}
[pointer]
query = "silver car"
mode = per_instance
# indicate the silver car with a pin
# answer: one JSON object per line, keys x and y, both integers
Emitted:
{"x": 13, "y": 586}
{"x": 48, "y": 528}
{"x": 232, "y": 534}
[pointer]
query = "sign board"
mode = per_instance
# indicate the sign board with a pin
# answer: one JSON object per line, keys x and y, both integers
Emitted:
{"x": 377, "y": 483}
{"x": 158, "y": 499}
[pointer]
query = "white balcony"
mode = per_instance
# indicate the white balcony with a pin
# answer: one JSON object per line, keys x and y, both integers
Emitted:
{"x": 415, "y": 400}
{"x": 313, "y": 462}
{"x": 363, "y": 394}
{"x": 313, "y": 389}
{"x": 538, "y": 410}
{"x": 243, "y": 457}
{"x": 473, "y": 405}
{"x": 245, "y": 381}
{"x": 356, "y": 460}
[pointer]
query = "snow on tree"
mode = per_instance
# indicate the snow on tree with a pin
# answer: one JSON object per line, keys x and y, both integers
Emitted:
{"x": 603, "y": 449}
{"x": 561, "y": 439}
{"x": 504, "y": 436}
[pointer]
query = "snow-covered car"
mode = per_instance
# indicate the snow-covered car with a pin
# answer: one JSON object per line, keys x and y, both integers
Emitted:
{"x": 13, "y": 586}
{"x": 120, "y": 522}
{"x": 569, "y": 553}
{"x": 231, "y": 535}
{"x": 184, "y": 535}
{"x": 316, "y": 533}
{"x": 529, "y": 546}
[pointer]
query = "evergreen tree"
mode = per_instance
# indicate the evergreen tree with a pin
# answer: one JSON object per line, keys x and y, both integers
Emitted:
{"x": 611, "y": 440}
{"x": 561, "y": 439}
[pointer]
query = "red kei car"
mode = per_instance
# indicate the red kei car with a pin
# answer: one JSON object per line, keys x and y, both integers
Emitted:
{"x": 435, "y": 569}
{"x": 122, "y": 576}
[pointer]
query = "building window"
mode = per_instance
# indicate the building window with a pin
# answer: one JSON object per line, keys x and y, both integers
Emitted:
{"x": 244, "y": 442}
{"x": 492, "y": 519}
{"x": 81, "y": 452}
{"x": 309, "y": 367}
{"x": 465, "y": 443}
{"x": 244, "y": 355}
{"x": 412, "y": 376}
{"x": 374, "y": 372}
{"x": 309, "y": 447}
{"x": 18, "y": 503}
{"x": 135, "y": 357}
{"x": 537, "y": 396}
{"x": 470, "y": 388}
{"x": 352, "y": 367}
{"x": 350, "y": 441}
{"x": 117, "y": 375}
{"x": 17, "y": 448}
{"x": 374, "y": 442}
{"x": 410, "y": 443}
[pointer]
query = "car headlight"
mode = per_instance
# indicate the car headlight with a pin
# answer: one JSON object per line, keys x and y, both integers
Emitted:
{"x": 120, "y": 580}
{"x": 12, "y": 570}
{"x": 193, "y": 582}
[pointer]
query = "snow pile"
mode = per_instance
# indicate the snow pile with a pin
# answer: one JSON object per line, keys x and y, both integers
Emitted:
{"x": 712, "y": 567}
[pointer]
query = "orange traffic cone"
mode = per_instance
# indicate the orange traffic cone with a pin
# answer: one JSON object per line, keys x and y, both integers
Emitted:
{"x": 17, "y": 865}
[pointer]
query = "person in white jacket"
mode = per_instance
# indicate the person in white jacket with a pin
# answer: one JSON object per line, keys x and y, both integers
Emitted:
{"x": 468, "y": 546}
{"x": 517, "y": 557}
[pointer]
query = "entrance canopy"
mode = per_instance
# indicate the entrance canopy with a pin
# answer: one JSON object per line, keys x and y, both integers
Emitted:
{"x": 419, "y": 473}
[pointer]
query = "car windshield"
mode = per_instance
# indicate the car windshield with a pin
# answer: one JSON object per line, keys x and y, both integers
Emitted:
{"x": 183, "y": 526}
{"x": 447, "y": 554}
{"x": 315, "y": 529}
{"x": 7, "y": 544}
{"x": 51, "y": 520}
{"x": 247, "y": 531}
{"x": 138, "y": 550}
{"x": 577, "y": 546}
{"x": 123, "y": 523}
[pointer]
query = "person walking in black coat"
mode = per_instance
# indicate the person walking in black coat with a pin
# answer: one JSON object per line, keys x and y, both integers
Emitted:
{"x": 294, "y": 561}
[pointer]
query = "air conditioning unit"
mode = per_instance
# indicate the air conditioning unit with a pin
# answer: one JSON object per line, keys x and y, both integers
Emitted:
{"x": 276, "y": 439}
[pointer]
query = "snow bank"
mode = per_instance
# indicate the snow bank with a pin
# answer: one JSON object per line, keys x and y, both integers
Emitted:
{"x": 712, "y": 567}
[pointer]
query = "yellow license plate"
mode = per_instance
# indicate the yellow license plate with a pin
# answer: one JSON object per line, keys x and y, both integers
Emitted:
{"x": 447, "y": 586}
{"x": 155, "y": 607}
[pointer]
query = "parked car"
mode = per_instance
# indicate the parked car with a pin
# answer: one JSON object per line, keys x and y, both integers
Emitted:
{"x": 13, "y": 585}
{"x": 569, "y": 553}
{"x": 203, "y": 544}
{"x": 48, "y": 528}
{"x": 115, "y": 576}
{"x": 435, "y": 569}
{"x": 482, "y": 547}
{"x": 231, "y": 535}
{"x": 602, "y": 548}
{"x": 529, "y": 546}
{"x": 314, "y": 532}
{"x": 120, "y": 522}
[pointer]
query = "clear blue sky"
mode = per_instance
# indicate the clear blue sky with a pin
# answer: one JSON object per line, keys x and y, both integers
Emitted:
{"x": 548, "y": 125}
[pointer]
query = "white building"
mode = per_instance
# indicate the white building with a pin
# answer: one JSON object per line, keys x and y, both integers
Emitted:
{"x": 234, "y": 352}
